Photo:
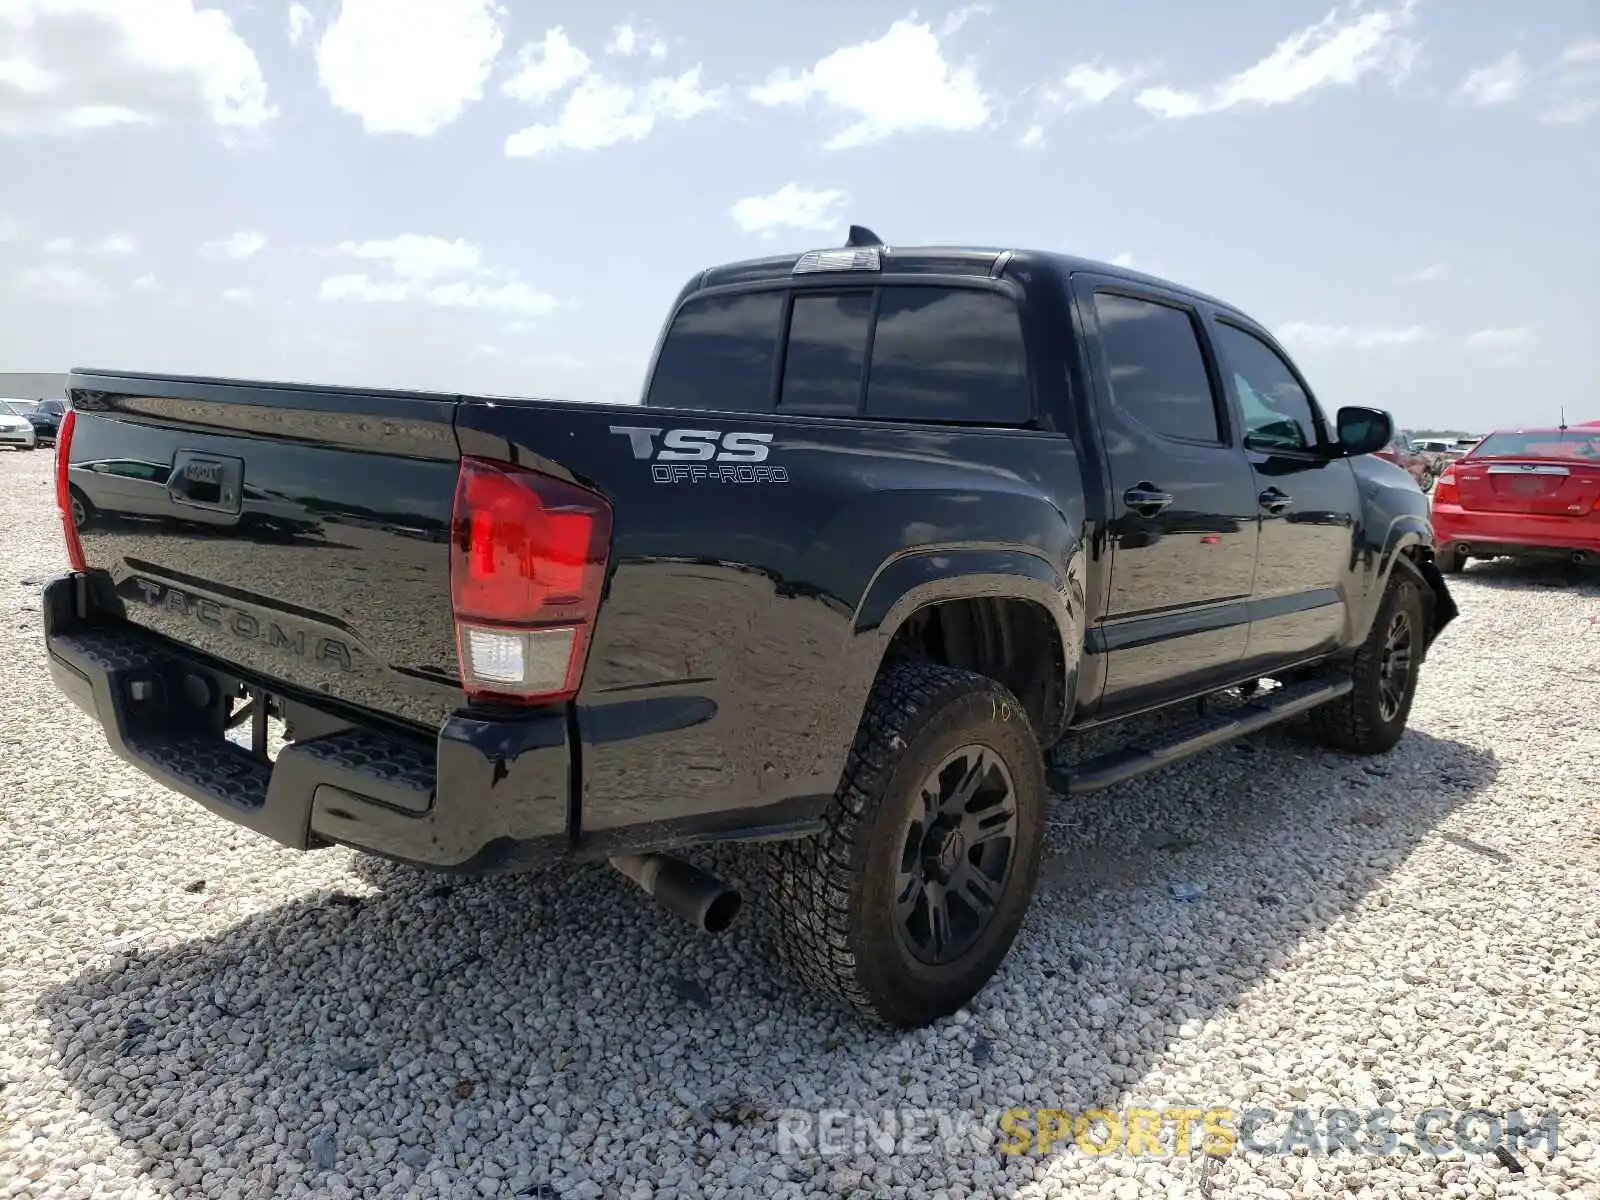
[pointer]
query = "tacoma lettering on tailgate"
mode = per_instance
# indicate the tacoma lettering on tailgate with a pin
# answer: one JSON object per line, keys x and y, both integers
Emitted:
{"x": 241, "y": 624}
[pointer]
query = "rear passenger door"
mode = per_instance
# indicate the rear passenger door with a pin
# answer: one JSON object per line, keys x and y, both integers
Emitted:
{"x": 1308, "y": 498}
{"x": 1182, "y": 526}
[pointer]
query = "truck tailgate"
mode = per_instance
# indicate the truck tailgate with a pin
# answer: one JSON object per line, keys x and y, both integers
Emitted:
{"x": 298, "y": 533}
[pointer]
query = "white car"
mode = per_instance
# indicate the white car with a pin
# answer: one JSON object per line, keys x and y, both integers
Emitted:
{"x": 15, "y": 428}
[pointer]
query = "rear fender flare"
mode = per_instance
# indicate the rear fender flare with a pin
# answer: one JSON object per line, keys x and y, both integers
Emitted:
{"x": 933, "y": 575}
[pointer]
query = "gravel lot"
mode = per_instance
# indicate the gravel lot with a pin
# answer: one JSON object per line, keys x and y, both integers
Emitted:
{"x": 187, "y": 1011}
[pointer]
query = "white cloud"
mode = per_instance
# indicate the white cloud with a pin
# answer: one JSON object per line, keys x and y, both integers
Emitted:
{"x": 1575, "y": 88}
{"x": 1498, "y": 82}
{"x": 419, "y": 256}
{"x": 246, "y": 243}
{"x": 300, "y": 23}
{"x": 115, "y": 245}
{"x": 546, "y": 67}
{"x": 1502, "y": 345}
{"x": 513, "y": 297}
{"x": 628, "y": 41}
{"x": 425, "y": 269}
{"x": 1431, "y": 273}
{"x": 1088, "y": 84}
{"x": 958, "y": 19}
{"x": 1306, "y": 336}
{"x": 1571, "y": 112}
{"x": 1338, "y": 51}
{"x": 238, "y": 295}
{"x": 1123, "y": 260}
{"x": 790, "y": 207}
{"x": 900, "y": 83}
{"x": 68, "y": 66}
{"x": 1032, "y": 138}
{"x": 147, "y": 283}
{"x": 1581, "y": 52}
{"x": 409, "y": 66}
{"x": 63, "y": 283}
{"x": 599, "y": 113}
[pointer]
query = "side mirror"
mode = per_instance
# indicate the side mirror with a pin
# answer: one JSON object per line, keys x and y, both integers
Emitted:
{"x": 1364, "y": 430}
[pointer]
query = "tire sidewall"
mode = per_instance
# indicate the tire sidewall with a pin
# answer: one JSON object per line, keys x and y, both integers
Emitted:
{"x": 1404, "y": 593}
{"x": 986, "y": 715}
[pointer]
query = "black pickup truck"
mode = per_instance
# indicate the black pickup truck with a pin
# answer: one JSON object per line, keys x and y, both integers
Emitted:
{"x": 890, "y": 528}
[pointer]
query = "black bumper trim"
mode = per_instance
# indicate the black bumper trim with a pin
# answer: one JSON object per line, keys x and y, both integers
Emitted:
{"x": 485, "y": 795}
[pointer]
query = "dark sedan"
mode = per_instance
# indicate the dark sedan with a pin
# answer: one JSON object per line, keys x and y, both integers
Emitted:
{"x": 46, "y": 419}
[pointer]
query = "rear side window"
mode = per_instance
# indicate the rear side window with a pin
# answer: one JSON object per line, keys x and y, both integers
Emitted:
{"x": 827, "y": 350}
{"x": 719, "y": 354}
{"x": 948, "y": 354}
{"x": 1158, "y": 374}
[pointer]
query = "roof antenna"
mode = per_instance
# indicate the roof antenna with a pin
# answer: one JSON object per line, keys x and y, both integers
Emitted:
{"x": 860, "y": 235}
{"x": 1563, "y": 418}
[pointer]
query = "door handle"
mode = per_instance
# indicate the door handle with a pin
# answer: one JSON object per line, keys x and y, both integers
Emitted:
{"x": 1275, "y": 500}
{"x": 1145, "y": 500}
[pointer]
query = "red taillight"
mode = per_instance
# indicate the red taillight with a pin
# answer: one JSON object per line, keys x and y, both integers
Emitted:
{"x": 1444, "y": 489}
{"x": 64, "y": 491}
{"x": 527, "y": 563}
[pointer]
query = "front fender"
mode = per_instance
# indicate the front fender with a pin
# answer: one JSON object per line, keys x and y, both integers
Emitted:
{"x": 1399, "y": 535}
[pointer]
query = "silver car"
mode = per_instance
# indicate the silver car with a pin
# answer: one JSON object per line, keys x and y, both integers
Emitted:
{"x": 15, "y": 428}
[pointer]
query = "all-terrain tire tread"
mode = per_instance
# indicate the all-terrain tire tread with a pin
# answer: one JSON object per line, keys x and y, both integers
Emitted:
{"x": 1352, "y": 722}
{"x": 809, "y": 881}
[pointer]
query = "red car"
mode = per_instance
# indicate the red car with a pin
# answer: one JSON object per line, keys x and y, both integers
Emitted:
{"x": 1401, "y": 455}
{"x": 1521, "y": 493}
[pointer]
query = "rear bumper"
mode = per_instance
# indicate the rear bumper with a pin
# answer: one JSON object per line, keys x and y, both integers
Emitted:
{"x": 485, "y": 795}
{"x": 1514, "y": 533}
{"x": 18, "y": 437}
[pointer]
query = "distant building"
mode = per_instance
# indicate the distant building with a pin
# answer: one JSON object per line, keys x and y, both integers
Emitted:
{"x": 27, "y": 385}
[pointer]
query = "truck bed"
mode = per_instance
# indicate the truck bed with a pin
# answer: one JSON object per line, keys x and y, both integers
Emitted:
{"x": 743, "y": 615}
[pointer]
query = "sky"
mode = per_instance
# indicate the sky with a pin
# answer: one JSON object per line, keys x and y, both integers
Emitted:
{"x": 504, "y": 197}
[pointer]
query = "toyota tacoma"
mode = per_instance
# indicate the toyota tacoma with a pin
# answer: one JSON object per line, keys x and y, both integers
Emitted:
{"x": 889, "y": 529}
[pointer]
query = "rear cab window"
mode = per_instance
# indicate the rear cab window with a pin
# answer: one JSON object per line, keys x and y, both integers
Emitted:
{"x": 895, "y": 352}
{"x": 719, "y": 354}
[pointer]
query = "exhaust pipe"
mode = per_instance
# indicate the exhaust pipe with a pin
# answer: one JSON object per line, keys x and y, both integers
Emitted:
{"x": 706, "y": 902}
{"x": 1579, "y": 558}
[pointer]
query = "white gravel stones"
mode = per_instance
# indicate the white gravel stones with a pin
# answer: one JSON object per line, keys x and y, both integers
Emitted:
{"x": 1414, "y": 932}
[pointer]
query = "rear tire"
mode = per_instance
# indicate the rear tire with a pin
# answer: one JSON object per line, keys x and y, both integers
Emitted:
{"x": 82, "y": 510}
{"x": 1370, "y": 718}
{"x": 909, "y": 899}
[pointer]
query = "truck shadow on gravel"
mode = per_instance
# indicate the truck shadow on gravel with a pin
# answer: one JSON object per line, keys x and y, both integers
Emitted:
{"x": 509, "y": 1029}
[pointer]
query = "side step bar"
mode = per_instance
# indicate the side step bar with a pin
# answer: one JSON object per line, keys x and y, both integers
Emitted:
{"x": 1177, "y": 741}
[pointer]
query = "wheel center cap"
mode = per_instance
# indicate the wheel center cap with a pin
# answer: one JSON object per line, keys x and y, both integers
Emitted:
{"x": 949, "y": 853}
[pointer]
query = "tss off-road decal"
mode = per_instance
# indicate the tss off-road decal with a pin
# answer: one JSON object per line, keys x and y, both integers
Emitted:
{"x": 703, "y": 455}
